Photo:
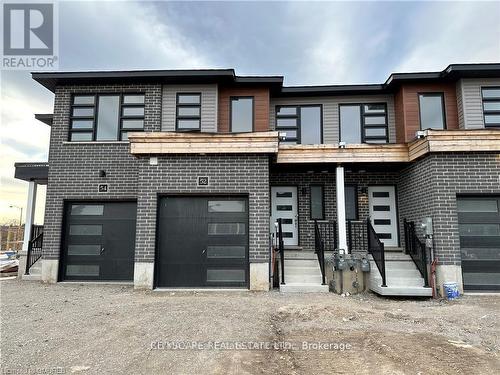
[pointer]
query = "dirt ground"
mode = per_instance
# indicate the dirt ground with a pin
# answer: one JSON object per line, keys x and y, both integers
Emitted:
{"x": 96, "y": 329}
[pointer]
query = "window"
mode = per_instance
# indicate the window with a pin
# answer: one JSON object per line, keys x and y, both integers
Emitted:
{"x": 363, "y": 123}
{"x": 301, "y": 124}
{"x": 241, "y": 114}
{"x": 317, "y": 202}
{"x": 431, "y": 111}
{"x": 226, "y": 206}
{"x": 351, "y": 202}
{"x": 106, "y": 117}
{"x": 188, "y": 112}
{"x": 491, "y": 106}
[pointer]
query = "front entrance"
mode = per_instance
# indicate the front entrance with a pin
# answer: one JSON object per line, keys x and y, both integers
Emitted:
{"x": 99, "y": 241}
{"x": 202, "y": 242}
{"x": 383, "y": 213}
{"x": 284, "y": 206}
{"x": 479, "y": 229}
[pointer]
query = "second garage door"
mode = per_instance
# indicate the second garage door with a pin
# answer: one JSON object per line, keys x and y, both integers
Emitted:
{"x": 202, "y": 242}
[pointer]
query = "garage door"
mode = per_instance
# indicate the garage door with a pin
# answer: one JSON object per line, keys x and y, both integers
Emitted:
{"x": 202, "y": 242}
{"x": 479, "y": 227}
{"x": 99, "y": 241}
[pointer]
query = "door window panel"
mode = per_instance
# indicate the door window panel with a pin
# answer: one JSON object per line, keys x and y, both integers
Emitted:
{"x": 87, "y": 209}
{"x": 220, "y": 229}
{"x": 84, "y": 249}
{"x": 85, "y": 230}
{"x": 82, "y": 270}
{"x": 225, "y": 275}
{"x": 226, "y": 251}
{"x": 226, "y": 206}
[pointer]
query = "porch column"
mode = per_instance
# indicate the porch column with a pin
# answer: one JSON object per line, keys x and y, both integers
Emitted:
{"x": 342, "y": 231}
{"x": 30, "y": 213}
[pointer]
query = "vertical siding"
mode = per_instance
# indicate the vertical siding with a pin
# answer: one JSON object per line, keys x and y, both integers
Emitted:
{"x": 261, "y": 106}
{"x": 472, "y": 101}
{"x": 208, "y": 105}
{"x": 330, "y": 105}
{"x": 408, "y": 98}
{"x": 460, "y": 104}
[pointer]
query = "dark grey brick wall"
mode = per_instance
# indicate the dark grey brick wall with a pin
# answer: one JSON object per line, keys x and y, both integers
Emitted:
{"x": 74, "y": 167}
{"x": 229, "y": 174}
{"x": 430, "y": 187}
{"x": 305, "y": 180}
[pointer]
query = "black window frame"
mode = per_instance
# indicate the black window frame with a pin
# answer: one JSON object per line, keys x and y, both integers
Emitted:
{"x": 363, "y": 115}
{"x": 443, "y": 109}
{"x": 297, "y": 117}
{"x": 322, "y": 201}
{"x": 231, "y": 99}
{"x": 355, "y": 187}
{"x": 183, "y": 117}
{"x": 489, "y": 112}
{"x": 94, "y": 117}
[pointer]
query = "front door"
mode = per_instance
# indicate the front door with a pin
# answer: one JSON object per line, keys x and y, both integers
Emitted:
{"x": 383, "y": 213}
{"x": 284, "y": 206}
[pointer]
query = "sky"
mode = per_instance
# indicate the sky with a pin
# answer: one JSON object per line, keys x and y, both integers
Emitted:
{"x": 308, "y": 43}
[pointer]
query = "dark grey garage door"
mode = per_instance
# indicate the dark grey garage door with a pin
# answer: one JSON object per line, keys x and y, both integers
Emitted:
{"x": 99, "y": 241}
{"x": 202, "y": 242}
{"x": 479, "y": 227}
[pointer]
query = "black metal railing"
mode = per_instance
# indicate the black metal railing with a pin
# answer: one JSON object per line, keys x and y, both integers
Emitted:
{"x": 34, "y": 247}
{"x": 416, "y": 249}
{"x": 328, "y": 233}
{"x": 376, "y": 249}
{"x": 356, "y": 236}
{"x": 320, "y": 251}
{"x": 281, "y": 250}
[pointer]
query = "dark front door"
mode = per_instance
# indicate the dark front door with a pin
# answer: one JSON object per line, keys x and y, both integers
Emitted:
{"x": 479, "y": 228}
{"x": 99, "y": 241}
{"x": 202, "y": 242}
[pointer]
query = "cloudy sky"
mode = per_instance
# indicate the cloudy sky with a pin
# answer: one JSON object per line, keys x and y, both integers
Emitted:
{"x": 308, "y": 43}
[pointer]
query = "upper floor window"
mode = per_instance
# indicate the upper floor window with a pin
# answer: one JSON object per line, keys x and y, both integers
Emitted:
{"x": 363, "y": 123}
{"x": 241, "y": 114}
{"x": 491, "y": 106}
{"x": 106, "y": 117}
{"x": 431, "y": 111}
{"x": 188, "y": 112}
{"x": 301, "y": 124}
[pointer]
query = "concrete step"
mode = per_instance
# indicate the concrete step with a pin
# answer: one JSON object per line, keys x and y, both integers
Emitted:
{"x": 301, "y": 270}
{"x": 400, "y": 281}
{"x": 395, "y": 265}
{"x": 290, "y": 254}
{"x": 301, "y": 262}
{"x": 291, "y": 287}
{"x": 306, "y": 279}
{"x": 32, "y": 277}
{"x": 393, "y": 249}
{"x": 400, "y": 291}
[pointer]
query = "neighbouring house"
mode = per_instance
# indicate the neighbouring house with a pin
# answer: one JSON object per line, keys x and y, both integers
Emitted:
{"x": 175, "y": 178}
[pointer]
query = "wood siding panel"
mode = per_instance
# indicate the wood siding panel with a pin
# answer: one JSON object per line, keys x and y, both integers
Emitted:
{"x": 411, "y": 112}
{"x": 208, "y": 106}
{"x": 331, "y": 122}
{"x": 261, "y": 106}
{"x": 472, "y": 111}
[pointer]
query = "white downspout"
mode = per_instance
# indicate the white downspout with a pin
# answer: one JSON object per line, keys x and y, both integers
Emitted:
{"x": 342, "y": 231}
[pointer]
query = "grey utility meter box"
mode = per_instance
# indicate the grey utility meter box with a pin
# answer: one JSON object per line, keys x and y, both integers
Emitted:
{"x": 427, "y": 226}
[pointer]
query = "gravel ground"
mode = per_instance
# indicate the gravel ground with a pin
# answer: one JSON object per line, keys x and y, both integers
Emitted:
{"x": 110, "y": 329}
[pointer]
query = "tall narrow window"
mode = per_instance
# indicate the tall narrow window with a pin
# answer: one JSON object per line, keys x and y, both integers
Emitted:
{"x": 351, "y": 202}
{"x": 188, "y": 112}
{"x": 310, "y": 125}
{"x": 350, "y": 123}
{"x": 317, "y": 202}
{"x": 431, "y": 111}
{"x": 491, "y": 106}
{"x": 108, "y": 115}
{"x": 241, "y": 114}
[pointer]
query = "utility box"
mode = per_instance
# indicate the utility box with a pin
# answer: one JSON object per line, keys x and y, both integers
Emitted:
{"x": 347, "y": 273}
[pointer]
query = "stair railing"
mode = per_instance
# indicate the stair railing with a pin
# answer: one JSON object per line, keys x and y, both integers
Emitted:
{"x": 376, "y": 249}
{"x": 34, "y": 247}
{"x": 416, "y": 249}
{"x": 320, "y": 251}
{"x": 281, "y": 249}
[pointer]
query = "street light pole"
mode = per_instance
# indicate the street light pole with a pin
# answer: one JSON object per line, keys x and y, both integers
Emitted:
{"x": 20, "y": 221}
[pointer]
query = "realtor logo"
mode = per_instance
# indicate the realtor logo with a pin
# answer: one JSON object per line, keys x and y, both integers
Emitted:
{"x": 29, "y": 36}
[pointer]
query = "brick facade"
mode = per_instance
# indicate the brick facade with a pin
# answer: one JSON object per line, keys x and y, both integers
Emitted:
{"x": 229, "y": 174}
{"x": 74, "y": 167}
{"x": 430, "y": 187}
